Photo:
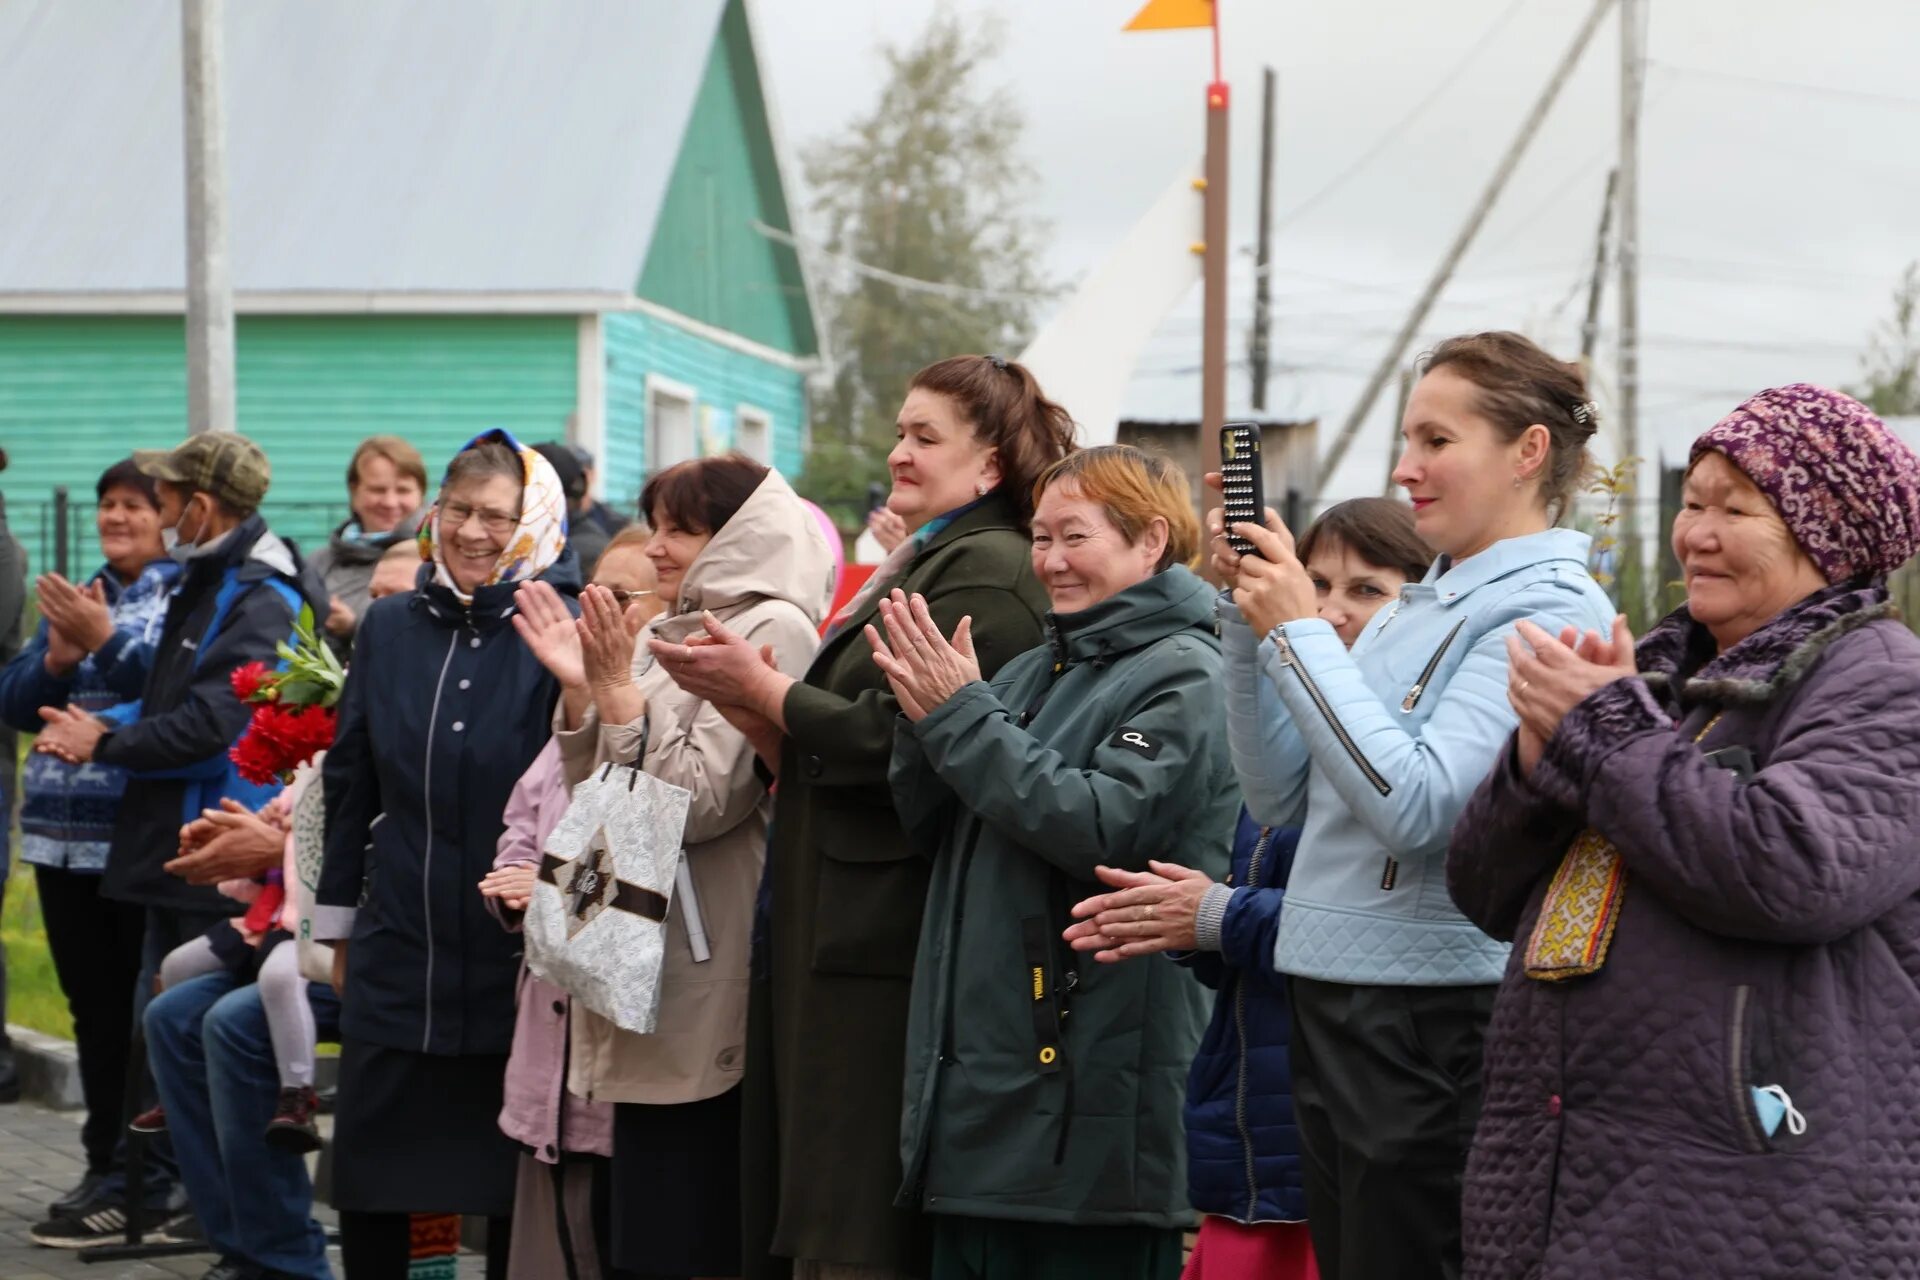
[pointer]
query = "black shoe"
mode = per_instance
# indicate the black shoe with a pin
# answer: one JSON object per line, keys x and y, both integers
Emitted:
{"x": 67, "y": 1205}
{"x": 178, "y": 1228}
{"x": 99, "y": 1224}
{"x": 230, "y": 1269}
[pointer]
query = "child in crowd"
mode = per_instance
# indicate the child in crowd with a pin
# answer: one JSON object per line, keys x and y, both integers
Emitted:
{"x": 259, "y": 945}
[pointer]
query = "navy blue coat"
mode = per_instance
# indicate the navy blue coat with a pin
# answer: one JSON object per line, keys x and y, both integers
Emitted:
{"x": 445, "y": 707}
{"x": 1243, "y": 1149}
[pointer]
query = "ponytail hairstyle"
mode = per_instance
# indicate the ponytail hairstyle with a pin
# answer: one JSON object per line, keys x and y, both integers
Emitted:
{"x": 1520, "y": 385}
{"x": 1007, "y": 410}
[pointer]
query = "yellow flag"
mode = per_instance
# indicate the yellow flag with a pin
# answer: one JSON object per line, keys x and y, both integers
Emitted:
{"x": 1165, "y": 15}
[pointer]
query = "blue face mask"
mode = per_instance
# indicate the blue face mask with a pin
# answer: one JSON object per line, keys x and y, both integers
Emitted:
{"x": 1772, "y": 1105}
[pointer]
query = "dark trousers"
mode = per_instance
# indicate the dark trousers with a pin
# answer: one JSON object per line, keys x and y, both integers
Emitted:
{"x": 1386, "y": 1091}
{"x": 95, "y": 944}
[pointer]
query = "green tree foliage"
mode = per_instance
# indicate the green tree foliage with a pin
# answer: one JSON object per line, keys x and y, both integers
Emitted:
{"x": 1892, "y": 362}
{"x": 929, "y": 185}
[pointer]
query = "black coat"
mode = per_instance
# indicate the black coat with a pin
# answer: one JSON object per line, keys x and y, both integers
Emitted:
{"x": 189, "y": 713}
{"x": 444, "y": 709}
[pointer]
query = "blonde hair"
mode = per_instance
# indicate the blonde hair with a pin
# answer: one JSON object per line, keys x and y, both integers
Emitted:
{"x": 404, "y": 457}
{"x": 1133, "y": 487}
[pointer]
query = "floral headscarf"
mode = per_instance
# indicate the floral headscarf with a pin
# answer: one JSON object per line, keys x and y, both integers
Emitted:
{"x": 535, "y": 544}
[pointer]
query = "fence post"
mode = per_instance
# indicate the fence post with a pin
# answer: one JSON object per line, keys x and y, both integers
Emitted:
{"x": 60, "y": 532}
{"x": 1291, "y": 511}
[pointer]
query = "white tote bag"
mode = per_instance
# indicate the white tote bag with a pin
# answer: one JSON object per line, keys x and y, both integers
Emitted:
{"x": 309, "y": 826}
{"x": 596, "y": 926}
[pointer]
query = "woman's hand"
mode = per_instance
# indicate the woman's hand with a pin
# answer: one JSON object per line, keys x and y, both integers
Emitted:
{"x": 79, "y": 613}
{"x": 340, "y": 618}
{"x": 1221, "y": 558}
{"x": 71, "y": 734}
{"x": 1150, "y": 911}
{"x": 921, "y": 665}
{"x": 888, "y": 529}
{"x": 607, "y": 638}
{"x": 723, "y": 668}
{"x": 547, "y": 628}
{"x": 1273, "y": 586}
{"x": 339, "y": 967}
{"x": 512, "y": 885}
{"x": 1548, "y": 677}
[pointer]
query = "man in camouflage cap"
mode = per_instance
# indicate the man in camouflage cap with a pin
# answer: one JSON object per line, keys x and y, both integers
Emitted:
{"x": 238, "y": 599}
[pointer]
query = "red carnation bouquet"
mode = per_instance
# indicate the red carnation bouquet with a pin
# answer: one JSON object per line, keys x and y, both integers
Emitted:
{"x": 293, "y": 707}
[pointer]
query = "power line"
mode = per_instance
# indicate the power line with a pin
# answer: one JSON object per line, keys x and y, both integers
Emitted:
{"x": 911, "y": 284}
{"x": 1405, "y": 122}
{"x": 1798, "y": 86}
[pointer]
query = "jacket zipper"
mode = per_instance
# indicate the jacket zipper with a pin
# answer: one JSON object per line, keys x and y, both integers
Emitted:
{"x": 1412, "y": 699}
{"x": 1285, "y": 650}
{"x": 426, "y": 870}
{"x": 1737, "y": 1047}
{"x": 1240, "y": 1028}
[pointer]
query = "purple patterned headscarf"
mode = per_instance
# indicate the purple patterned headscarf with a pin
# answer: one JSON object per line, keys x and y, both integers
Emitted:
{"x": 1848, "y": 488}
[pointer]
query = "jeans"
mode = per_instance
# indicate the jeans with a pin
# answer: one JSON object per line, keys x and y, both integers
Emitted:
{"x": 212, "y": 1057}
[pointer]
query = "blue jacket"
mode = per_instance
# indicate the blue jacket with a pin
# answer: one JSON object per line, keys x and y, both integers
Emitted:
{"x": 66, "y": 819}
{"x": 1243, "y": 1148}
{"x": 1374, "y": 753}
{"x": 235, "y": 603}
{"x": 444, "y": 708}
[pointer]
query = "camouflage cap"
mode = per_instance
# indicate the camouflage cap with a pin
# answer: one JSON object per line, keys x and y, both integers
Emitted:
{"x": 229, "y": 466}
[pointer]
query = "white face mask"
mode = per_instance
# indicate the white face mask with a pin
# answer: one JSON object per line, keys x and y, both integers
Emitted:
{"x": 170, "y": 542}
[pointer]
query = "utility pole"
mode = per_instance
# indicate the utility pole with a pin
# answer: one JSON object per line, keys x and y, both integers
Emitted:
{"x": 1590, "y": 327}
{"x": 1213, "y": 336}
{"x": 1632, "y": 61}
{"x": 1257, "y": 353}
{"x": 1461, "y": 243}
{"x": 209, "y": 288}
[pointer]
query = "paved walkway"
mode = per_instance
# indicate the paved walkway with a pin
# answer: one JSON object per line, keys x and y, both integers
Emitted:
{"x": 39, "y": 1161}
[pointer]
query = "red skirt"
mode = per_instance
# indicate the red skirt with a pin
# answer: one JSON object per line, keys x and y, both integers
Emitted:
{"x": 1228, "y": 1250}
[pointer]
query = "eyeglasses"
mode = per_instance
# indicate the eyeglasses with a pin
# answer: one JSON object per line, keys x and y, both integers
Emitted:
{"x": 455, "y": 514}
{"x": 625, "y": 598}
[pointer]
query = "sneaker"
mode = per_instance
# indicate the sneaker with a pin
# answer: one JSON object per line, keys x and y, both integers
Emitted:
{"x": 68, "y": 1204}
{"x": 179, "y": 1228}
{"x": 231, "y": 1269}
{"x": 292, "y": 1127}
{"x": 150, "y": 1121}
{"x": 100, "y": 1224}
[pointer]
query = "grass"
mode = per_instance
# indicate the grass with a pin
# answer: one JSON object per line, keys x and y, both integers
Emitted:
{"x": 33, "y": 992}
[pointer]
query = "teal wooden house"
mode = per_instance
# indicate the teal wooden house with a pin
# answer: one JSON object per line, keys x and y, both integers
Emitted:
{"x": 561, "y": 217}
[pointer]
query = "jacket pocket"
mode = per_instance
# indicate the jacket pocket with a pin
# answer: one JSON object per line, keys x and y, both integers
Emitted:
{"x": 1744, "y": 1029}
{"x": 867, "y": 908}
{"x": 1412, "y": 700}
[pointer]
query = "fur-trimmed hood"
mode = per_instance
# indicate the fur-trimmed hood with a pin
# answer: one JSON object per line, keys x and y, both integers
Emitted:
{"x": 1767, "y": 663}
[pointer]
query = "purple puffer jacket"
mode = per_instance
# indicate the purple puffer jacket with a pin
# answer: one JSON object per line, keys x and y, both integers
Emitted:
{"x": 1769, "y": 935}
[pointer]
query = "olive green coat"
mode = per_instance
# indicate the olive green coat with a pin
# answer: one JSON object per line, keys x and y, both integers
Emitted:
{"x": 826, "y": 1038}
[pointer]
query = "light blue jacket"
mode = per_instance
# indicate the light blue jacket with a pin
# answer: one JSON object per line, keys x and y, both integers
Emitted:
{"x": 1375, "y": 752}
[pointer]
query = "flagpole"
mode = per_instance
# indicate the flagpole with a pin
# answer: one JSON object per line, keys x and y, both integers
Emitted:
{"x": 1213, "y": 334}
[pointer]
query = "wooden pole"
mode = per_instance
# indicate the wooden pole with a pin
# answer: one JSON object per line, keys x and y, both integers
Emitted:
{"x": 1461, "y": 243}
{"x": 1631, "y": 57}
{"x": 1258, "y": 345}
{"x": 1213, "y": 335}
{"x": 210, "y": 387}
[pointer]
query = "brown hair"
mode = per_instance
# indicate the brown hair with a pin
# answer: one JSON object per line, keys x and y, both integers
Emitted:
{"x": 1521, "y": 385}
{"x": 1378, "y": 530}
{"x": 1132, "y": 486}
{"x": 404, "y": 457}
{"x": 636, "y": 534}
{"x": 703, "y": 494}
{"x": 1007, "y": 409}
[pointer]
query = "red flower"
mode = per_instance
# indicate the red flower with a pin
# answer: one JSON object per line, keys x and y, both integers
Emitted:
{"x": 248, "y": 680}
{"x": 280, "y": 738}
{"x": 255, "y": 760}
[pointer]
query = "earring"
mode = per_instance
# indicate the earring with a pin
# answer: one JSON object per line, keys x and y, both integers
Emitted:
{"x": 1518, "y": 481}
{"x": 980, "y": 490}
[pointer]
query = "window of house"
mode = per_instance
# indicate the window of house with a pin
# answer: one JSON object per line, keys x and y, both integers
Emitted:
{"x": 753, "y": 433}
{"x": 671, "y": 433}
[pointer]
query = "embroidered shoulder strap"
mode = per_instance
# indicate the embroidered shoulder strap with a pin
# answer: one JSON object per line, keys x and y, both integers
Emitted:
{"x": 1582, "y": 907}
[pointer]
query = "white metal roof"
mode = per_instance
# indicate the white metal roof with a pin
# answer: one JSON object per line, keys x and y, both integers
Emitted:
{"x": 425, "y": 146}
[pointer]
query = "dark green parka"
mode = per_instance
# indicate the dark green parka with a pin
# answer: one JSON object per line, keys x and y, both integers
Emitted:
{"x": 1042, "y": 1086}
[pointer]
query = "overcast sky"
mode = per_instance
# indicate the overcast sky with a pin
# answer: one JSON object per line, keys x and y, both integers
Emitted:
{"x": 1775, "y": 218}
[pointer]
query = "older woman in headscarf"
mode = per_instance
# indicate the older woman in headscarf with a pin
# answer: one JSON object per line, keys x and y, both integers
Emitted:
{"x": 1704, "y": 1059}
{"x": 445, "y": 707}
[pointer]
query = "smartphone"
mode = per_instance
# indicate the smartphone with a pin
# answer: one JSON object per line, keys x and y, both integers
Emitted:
{"x": 1241, "y": 481}
{"x": 876, "y": 496}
